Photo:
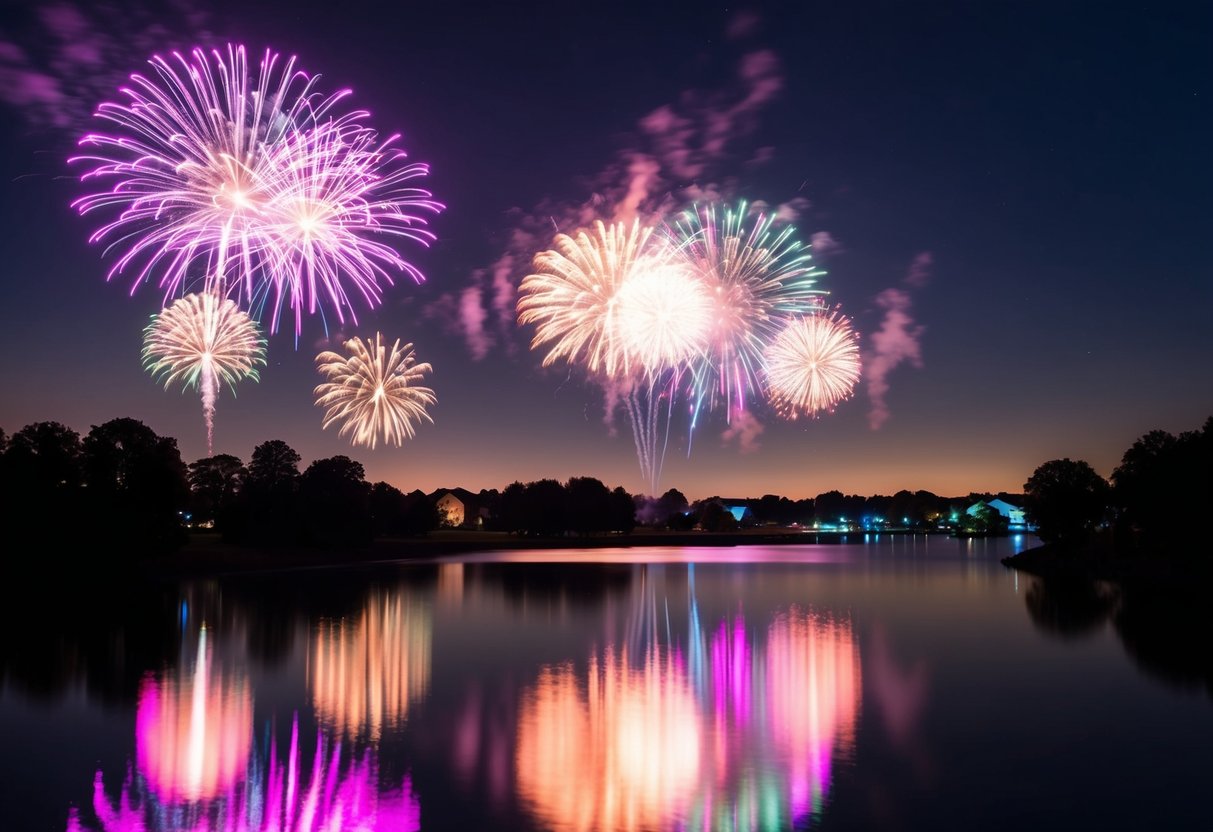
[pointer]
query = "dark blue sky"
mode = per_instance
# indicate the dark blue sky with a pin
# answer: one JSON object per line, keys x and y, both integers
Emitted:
{"x": 1052, "y": 159}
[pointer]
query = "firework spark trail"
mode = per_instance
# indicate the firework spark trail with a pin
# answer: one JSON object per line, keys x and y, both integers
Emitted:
{"x": 250, "y": 181}
{"x": 373, "y": 392}
{"x": 202, "y": 341}
{"x": 813, "y": 364}
{"x": 619, "y": 300}
{"x": 757, "y": 277}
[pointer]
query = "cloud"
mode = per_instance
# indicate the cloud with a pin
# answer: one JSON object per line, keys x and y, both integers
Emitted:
{"x": 761, "y": 156}
{"x": 643, "y": 174}
{"x": 896, "y": 341}
{"x": 920, "y": 270}
{"x": 472, "y": 316}
{"x": 791, "y": 210}
{"x": 824, "y": 245}
{"x": 59, "y": 60}
{"x": 745, "y": 429}
{"x": 743, "y": 24}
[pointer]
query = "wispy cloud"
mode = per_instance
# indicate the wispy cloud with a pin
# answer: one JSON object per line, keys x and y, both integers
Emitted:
{"x": 824, "y": 245}
{"x": 898, "y": 339}
{"x": 472, "y": 315}
{"x": 59, "y": 60}
{"x": 744, "y": 429}
{"x": 743, "y": 24}
{"x": 919, "y": 273}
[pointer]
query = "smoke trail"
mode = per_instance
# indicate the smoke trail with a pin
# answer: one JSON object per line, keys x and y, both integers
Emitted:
{"x": 210, "y": 387}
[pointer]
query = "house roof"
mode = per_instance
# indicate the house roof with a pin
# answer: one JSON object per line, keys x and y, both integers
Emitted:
{"x": 464, "y": 496}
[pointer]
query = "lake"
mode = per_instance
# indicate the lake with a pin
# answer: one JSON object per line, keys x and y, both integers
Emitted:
{"x": 880, "y": 683}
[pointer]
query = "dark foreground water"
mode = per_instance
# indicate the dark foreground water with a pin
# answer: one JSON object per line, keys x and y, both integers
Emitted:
{"x": 905, "y": 683}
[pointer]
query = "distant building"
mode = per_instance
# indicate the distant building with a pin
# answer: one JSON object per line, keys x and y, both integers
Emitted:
{"x": 1014, "y": 514}
{"x": 459, "y": 508}
{"x": 740, "y": 509}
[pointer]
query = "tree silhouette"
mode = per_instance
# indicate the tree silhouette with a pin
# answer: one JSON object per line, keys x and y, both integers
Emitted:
{"x": 334, "y": 507}
{"x": 671, "y": 504}
{"x": 215, "y": 481}
{"x": 386, "y": 504}
{"x": 265, "y": 512}
{"x": 1162, "y": 484}
{"x": 1066, "y": 499}
{"x": 828, "y": 507}
{"x": 274, "y": 464}
{"x": 622, "y": 511}
{"x": 41, "y": 474}
{"x": 587, "y": 506}
{"x": 137, "y": 485}
{"x": 985, "y": 519}
{"x": 714, "y": 517}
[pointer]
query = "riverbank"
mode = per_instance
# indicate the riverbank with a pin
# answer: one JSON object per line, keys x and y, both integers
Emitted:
{"x": 206, "y": 553}
{"x": 1101, "y": 562}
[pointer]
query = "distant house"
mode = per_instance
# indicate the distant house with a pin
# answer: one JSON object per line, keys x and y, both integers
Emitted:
{"x": 1014, "y": 514}
{"x": 739, "y": 508}
{"x": 459, "y": 508}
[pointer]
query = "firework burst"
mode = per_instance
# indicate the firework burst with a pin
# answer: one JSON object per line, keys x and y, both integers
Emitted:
{"x": 756, "y": 277}
{"x": 618, "y": 300}
{"x": 373, "y": 392}
{"x": 663, "y": 317}
{"x": 247, "y": 178}
{"x": 202, "y": 341}
{"x": 813, "y": 364}
{"x": 571, "y": 297}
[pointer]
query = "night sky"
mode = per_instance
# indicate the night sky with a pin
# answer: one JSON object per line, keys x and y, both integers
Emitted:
{"x": 1026, "y": 184}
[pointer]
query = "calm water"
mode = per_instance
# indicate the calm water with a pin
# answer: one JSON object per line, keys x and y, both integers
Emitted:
{"x": 905, "y": 683}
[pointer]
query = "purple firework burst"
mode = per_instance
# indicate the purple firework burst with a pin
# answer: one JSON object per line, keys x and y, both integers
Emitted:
{"x": 250, "y": 181}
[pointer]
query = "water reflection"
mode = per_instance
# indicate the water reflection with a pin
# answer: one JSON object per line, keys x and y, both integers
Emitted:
{"x": 365, "y": 673}
{"x": 194, "y": 729}
{"x": 614, "y": 748}
{"x": 1166, "y": 630}
{"x": 276, "y": 797}
{"x": 198, "y": 768}
{"x": 739, "y": 732}
{"x": 625, "y": 696}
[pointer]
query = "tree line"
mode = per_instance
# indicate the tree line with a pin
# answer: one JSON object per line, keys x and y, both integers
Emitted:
{"x": 123, "y": 482}
{"x": 1154, "y": 501}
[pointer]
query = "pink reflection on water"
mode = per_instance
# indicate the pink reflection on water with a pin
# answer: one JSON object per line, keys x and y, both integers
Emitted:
{"x": 731, "y": 664}
{"x": 193, "y": 730}
{"x": 809, "y": 552}
{"x": 280, "y": 799}
{"x": 814, "y": 686}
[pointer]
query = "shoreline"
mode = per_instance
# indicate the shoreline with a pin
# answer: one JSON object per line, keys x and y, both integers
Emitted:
{"x": 1102, "y": 563}
{"x": 207, "y": 554}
